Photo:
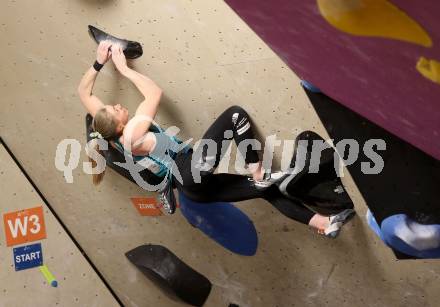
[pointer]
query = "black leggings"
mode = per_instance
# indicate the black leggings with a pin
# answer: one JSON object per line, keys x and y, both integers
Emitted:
{"x": 206, "y": 186}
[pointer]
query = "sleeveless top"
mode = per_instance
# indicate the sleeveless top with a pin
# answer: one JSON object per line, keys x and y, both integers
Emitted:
{"x": 159, "y": 160}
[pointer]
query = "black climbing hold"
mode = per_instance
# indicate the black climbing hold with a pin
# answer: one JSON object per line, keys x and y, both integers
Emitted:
{"x": 322, "y": 191}
{"x": 132, "y": 50}
{"x": 170, "y": 273}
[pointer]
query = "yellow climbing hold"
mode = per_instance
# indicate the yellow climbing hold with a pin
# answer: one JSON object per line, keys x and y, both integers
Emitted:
{"x": 378, "y": 18}
{"x": 429, "y": 69}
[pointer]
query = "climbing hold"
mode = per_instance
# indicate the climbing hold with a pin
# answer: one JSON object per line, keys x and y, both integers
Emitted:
{"x": 170, "y": 273}
{"x": 430, "y": 69}
{"x": 132, "y": 50}
{"x": 378, "y": 18}
{"x": 222, "y": 222}
{"x": 310, "y": 87}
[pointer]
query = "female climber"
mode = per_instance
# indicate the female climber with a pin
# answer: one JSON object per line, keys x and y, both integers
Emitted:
{"x": 112, "y": 123}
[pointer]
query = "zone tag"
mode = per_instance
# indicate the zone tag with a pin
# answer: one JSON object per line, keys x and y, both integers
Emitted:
{"x": 146, "y": 206}
{"x": 24, "y": 226}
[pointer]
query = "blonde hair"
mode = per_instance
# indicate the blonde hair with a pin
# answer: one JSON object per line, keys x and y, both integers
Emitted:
{"x": 106, "y": 125}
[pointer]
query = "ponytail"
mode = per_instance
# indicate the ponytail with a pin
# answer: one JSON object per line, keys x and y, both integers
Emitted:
{"x": 104, "y": 128}
{"x": 97, "y": 178}
{"x": 97, "y": 160}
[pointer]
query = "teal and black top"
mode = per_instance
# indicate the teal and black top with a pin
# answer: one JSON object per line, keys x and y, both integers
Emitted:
{"x": 159, "y": 160}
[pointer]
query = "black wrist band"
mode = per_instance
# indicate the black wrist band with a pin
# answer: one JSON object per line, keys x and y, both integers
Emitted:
{"x": 97, "y": 66}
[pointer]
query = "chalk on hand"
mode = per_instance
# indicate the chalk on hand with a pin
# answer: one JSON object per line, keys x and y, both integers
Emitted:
{"x": 48, "y": 275}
